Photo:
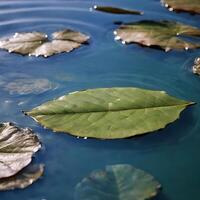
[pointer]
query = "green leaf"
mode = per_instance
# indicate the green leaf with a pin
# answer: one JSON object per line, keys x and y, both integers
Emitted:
{"x": 192, "y": 6}
{"x": 109, "y": 113}
{"x": 114, "y": 10}
{"x": 160, "y": 34}
{"x": 196, "y": 66}
{"x": 117, "y": 182}
{"x": 38, "y": 44}
{"x": 17, "y": 147}
{"x": 23, "y": 179}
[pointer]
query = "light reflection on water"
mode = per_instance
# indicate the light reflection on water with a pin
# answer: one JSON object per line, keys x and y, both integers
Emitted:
{"x": 171, "y": 155}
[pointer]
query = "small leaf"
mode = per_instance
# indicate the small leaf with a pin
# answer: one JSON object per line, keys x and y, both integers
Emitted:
{"x": 164, "y": 34}
{"x": 192, "y": 6}
{"x": 17, "y": 147}
{"x": 117, "y": 182}
{"x": 114, "y": 10}
{"x": 37, "y": 44}
{"x": 109, "y": 113}
{"x": 196, "y": 66}
{"x": 23, "y": 179}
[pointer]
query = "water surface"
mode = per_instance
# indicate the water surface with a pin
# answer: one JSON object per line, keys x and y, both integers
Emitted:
{"x": 171, "y": 155}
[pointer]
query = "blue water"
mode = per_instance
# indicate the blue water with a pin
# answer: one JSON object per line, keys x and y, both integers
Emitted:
{"x": 171, "y": 155}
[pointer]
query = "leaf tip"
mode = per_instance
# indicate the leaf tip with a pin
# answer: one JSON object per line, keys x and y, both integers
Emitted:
{"x": 192, "y": 103}
{"x": 115, "y": 32}
{"x": 186, "y": 48}
{"x": 167, "y": 49}
{"x": 24, "y": 112}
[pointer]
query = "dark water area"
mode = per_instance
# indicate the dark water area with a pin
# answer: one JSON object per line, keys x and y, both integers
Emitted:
{"x": 171, "y": 154}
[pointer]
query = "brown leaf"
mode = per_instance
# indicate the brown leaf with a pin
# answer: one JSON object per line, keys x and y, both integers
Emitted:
{"x": 23, "y": 179}
{"x": 163, "y": 34}
{"x": 114, "y": 10}
{"x": 37, "y": 44}
{"x": 192, "y": 6}
{"x": 17, "y": 146}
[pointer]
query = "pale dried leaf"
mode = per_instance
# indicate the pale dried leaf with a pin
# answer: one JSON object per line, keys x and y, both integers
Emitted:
{"x": 196, "y": 66}
{"x": 23, "y": 179}
{"x": 17, "y": 146}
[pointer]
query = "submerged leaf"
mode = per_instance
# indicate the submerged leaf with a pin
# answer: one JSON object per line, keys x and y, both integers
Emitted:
{"x": 164, "y": 34}
{"x": 28, "y": 86}
{"x": 109, "y": 113}
{"x": 37, "y": 44}
{"x": 23, "y": 179}
{"x": 117, "y": 182}
{"x": 17, "y": 147}
{"x": 192, "y": 6}
{"x": 115, "y": 10}
{"x": 196, "y": 67}
{"x": 23, "y": 84}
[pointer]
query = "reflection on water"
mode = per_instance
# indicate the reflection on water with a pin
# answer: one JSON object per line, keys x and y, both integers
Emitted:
{"x": 171, "y": 155}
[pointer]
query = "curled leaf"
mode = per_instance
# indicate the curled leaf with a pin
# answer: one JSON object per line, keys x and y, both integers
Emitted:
{"x": 38, "y": 44}
{"x": 192, "y": 6}
{"x": 17, "y": 146}
{"x": 109, "y": 113}
{"x": 22, "y": 179}
{"x": 163, "y": 34}
{"x": 114, "y": 10}
{"x": 117, "y": 182}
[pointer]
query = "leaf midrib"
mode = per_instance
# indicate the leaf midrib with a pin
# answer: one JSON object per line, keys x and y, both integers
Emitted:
{"x": 44, "y": 41}
{"x": 66, "y": 113}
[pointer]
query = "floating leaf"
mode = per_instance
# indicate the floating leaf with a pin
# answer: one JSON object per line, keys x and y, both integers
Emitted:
{"x": 196, "y": 67}
{"x": 192, "y": 6}
{"x": 38, "y": 44}
{"x": 117, "y": 182}
{"x": 115, "y": 10}
{"x": 23, "y": 179}
{"x": 17, "y": 147}
{"x": 164, "y": 34}
{"x": 109, "y": 113}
